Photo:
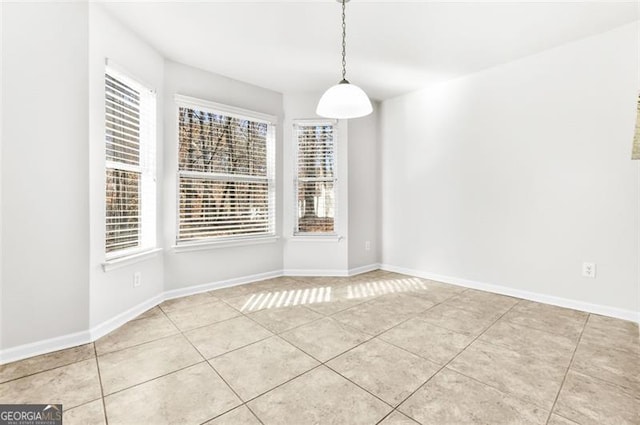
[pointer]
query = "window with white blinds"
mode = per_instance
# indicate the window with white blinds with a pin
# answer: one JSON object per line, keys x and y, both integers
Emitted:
{"x": 130, "y": 166}
{"x": 226, "y": 164}
{"x": 315, "y": 177}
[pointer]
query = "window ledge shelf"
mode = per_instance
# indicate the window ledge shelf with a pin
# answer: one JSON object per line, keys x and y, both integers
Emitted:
{"x": 120, "y": 262}
{"x": 203, "y": 246}
{"x": 319, "y": 238}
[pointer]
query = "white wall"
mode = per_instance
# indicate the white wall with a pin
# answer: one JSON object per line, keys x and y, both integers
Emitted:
{"x": 364, "y": 172}
{"x": 302, "y": 255}
{"x": 45, "y": 197}
{"x": 516, "y": 175}
{"x": 1, "y": 137}
{"x": 183, "y": 269}
{"x": 112, "y": 292}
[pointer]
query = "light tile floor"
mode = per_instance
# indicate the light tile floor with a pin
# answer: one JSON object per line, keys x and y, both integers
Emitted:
{"x": 378, "y": 348}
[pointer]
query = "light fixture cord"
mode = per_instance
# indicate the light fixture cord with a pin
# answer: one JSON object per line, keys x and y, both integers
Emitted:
{"x": 344, "y": 42}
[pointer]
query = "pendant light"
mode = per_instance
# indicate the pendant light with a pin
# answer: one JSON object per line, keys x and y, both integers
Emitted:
{"x": 344, "y": 100}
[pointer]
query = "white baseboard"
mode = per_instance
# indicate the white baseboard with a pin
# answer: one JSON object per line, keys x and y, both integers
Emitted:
{"x": 331, "y": 272}
{"x": 192, "y": 290}
{"x": 37, "y": 348}
{"x": 114, "y": 323}
{"x": 72, "y": 340}
{"x": 364, "y": 269}
{"x": 315, "y": 272}
{"x": 630, "y": 315}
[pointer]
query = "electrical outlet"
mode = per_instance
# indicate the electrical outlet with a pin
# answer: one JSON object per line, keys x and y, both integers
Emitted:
{"x": 589, "y": 270}
{"x": 367, "y": 246}
{"x": 137, "y": 279}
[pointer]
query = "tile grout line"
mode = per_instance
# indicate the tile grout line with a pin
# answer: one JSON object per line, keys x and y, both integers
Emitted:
{"x": 564, "y": 379}
{"x": 330, "y": 316}
{"x": 51, "y": 368}
{"x": 243, "y": 403}
{"x": 320, "y": 363}
{"x": 153, "y": 379}
{"x": 248, "y": 315}
{"x": 253, "y": 413}
{"x": 179, "y": 331}
{"x": 371, "y": 337}
{"x": 182, "y": 333}
{"x": 451, "y": 360}
{"x": 104, "y": 404}
{"x": 528, "y": 401}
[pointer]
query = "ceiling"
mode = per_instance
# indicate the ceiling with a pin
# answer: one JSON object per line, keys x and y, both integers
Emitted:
{"x": 392, "y": 47}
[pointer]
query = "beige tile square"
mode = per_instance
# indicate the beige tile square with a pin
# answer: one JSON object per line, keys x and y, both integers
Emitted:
{"x": 590, "y": 401}
{"x": 409, "y": 284}
{"x": 238, "y": 416}
{"x": 187, "y": 302}
{"x": 88, "y": 414}
{"x": 402, "y": 304}
{"x": 370, "y": 319}
{"x": 284, "y": 318}
{"x": 433, "y": 291}
{"x": 559, "y": 420}
{"x": 259, "y": 367}
{"x": 341, "y": 296}
{"x": 453, "y": 399}
{"x": 44, "y": 362}
{"x": 481, "y": 302}
{"x": 610, "y": 332}
{"x": 371, "y": 288}
{"x": 267, "y": 285}
{"x": 246, "y": 303}
{"x": 462, "y": 321}
{"x": 134, "y": 365}
{"x": 319, "y": 397}
{"x": 335, "y": 305}
{"x": 296, "y": 295}
{"x": 397, "y": 418}
{"x": 325, "y": 338}
{"x": 384, "y": 370}
{"x": 523, "y": 376}
{"x": 554, "y": 348}
{"x": 70, "y": 385}
{"x": 219, "y": 338}
{"x": 189, "y": 396}
{"x": 618, "y": 367}
{"x": 136, "y": 332}
{"x": 548, "y": 318}
{"x": 426, "y": 340}
{"x": 201, "y": 314}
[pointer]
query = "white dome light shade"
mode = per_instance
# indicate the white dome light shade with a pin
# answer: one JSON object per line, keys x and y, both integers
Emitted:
{"x": 344, "y": 101}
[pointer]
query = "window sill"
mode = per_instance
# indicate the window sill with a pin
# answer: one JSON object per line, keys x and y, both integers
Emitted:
{"x": 315, "y": 238}
{"x": 203, "y": 246}
{"x": 127, "y": 260}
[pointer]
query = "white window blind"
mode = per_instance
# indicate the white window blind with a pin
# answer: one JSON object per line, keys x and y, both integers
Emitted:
{"x": 130, "y": 165}
{"x": 316, "y": 177}
{"x": 225, "y": 175}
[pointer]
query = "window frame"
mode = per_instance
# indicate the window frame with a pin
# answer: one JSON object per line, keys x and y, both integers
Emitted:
{"x": 333, "y": 235}
{"x": 182, "y": 101}
{"x": 146, "y": 167}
